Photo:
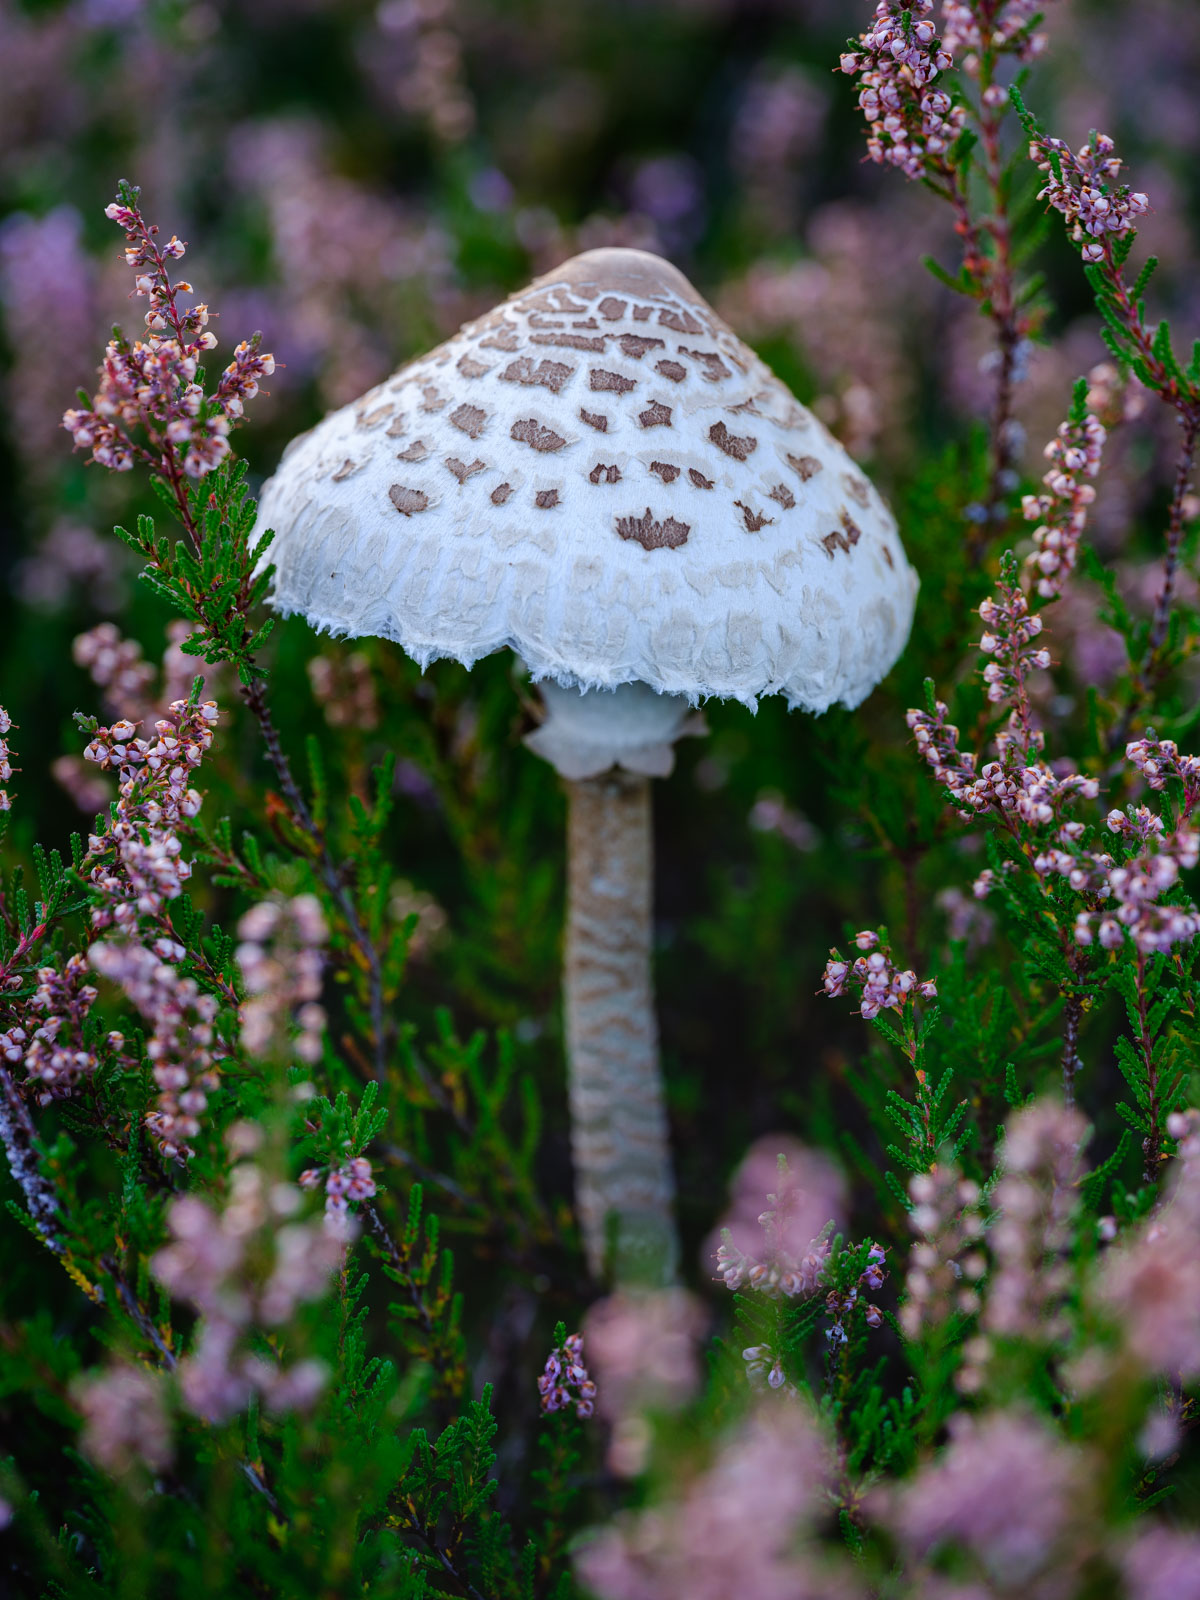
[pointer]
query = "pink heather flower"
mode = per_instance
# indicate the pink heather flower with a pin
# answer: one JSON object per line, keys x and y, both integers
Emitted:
{"x": 6, "y": 767}
{"x": 946, "y": 1222}
{"x": 732, "y": 1530}
{"x": 148, "y": 387}
{"x": 214, "y": 1262}
{"x": 1004, "y": 1489}
{"x": 55, "y": 1053}
{"x": 1010, "y": 33}
{"x": 879, "y": 985}
{"x": 1162, "y": 1564}
{"x": 1150, "y": 1281}
{"x": 125, "y": 1418}
{"x": 1084, "y": 189}
{"x": 565, "y": 1381}
{"x": 643, "y": 1350}
{"x": 911, "y": 124}
{"x": 281, "y": 961}
{"x": 1062, "y": 510}
{"x": 779, "y": 1250}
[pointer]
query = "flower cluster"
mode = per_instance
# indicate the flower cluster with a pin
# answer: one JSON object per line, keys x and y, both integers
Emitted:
{"x": 352, "y": 1181}
{"x": 1009, "y": 640}
{"x": 564, "y": 1380}
{"x": 1158, "y": 761}
{"x": 117, "y": 666}
{"x": 1029, "y": 794}
{"x": 733, "y": 1530}
{"x": 125, "y": 1418}
{"x": 1035, "y": 1202}
{"x": 281, "y": 961}
{"x": 1004, "y": 1490}
{"x": 1134, "y": 889}
{"x": 643, "y": 1347}
{"x": 842, "y": 1304}
{"x": 946, "y": 1222}
{"x": 1061, "y": 512}
{"x": 56, "y": 1054}
{"x": 1083, "y": 187}
{"x": 137, "y": 862}
{"x": 782, "y": 1251}
{"x": 6, "y": 767}
{"x": 151, "y": 384}
{"x": 1150, "y": 1282}
{"x": 1011, "y": 31}
{"x": 242, "y": 1268}
{"x": 881, "y": 985}
{"x": 912, "y": 125}
{"x": 182, "y": 1047}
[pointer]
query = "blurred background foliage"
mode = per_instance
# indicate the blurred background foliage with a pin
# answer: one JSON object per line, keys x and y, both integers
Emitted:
{"x": 356, "y": 179}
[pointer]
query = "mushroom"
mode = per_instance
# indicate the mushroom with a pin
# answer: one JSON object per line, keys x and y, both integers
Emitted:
{"x": 601, "y": 476}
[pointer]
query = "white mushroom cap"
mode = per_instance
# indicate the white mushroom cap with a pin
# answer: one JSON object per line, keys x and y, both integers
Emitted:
{"x": 602, "y": 476}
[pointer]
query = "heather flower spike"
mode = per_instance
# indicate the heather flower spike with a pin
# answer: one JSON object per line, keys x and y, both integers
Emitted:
{"x": 601, "y": 476}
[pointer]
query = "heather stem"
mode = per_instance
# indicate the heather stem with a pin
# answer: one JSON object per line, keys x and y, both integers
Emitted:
{"x": 1070, "y": 1058}
{"x": 1183, "y": 477}
{"x": 17, "y": 1134}
{"x": 1152, "y": 1143}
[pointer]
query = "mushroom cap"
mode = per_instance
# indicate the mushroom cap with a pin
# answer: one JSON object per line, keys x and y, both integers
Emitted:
{"x": 602, "y": 476}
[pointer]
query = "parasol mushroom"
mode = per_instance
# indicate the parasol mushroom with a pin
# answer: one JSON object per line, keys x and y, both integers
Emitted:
{"x": 601, "y": 476}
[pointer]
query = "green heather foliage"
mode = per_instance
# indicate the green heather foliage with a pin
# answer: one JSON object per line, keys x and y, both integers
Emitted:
{"x": 292, "y": 1297}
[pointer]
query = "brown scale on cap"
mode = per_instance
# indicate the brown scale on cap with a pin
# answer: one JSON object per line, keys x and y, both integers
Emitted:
{"x": 407, "y": 501}
{"x": 432, "y": 398}
{"x": 417, "y": 451}
{"x": 546, "y": 499}
{"x": 612, "y": 382}
{"x": 469, "y": 419}
{"x": 857, "y": 489}
{"x": 700, "y": 480}
{"x": 754, "y": 520}
{"x": 845, "y": 537}
{"x": 783, "y": 496}
{"x": 500, "y": 493}
{"x": 679, "y": 321}
{"x": 572, "y": 341}
{"x": 612, "y": 309}
{"x": 805, "y": 466}
{"x": 546, "y": 375}
{"x": 595, "y": 419}
{"x": 651, "y": 535}
{"x": 462, "y": 471}
{"x": 538, "y": 438}
{"x": 602, "y": 474}
{"x": 642, "y": 313}
{"x": 675, "y": 370}
{"x": 635, "y": 345}
{"x": 346, "y": 470}
{"x": 665, "y": 470}
{"x": 656, "y": 415}
{"x": 372, "y": 418}
{"x": 504, "y": 338}
{"x": 739, "y": 449}
{"x": 714, "y": 369}
{"x": 396, "y": 429}
{"x": 470, "y": 368}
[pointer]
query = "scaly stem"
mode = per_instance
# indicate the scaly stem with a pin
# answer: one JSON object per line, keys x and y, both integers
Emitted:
{"x": 618, "y": 1118}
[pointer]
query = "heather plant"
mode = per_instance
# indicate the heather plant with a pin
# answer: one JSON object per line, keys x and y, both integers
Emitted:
{"x": 294, "y": 1300}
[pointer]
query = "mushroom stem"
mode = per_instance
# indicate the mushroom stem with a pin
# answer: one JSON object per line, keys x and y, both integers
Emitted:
{"x": 623, "y": 1179}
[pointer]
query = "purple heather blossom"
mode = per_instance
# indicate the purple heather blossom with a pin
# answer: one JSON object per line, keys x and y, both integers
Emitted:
{"x": 565, "y": 1381}
{"x": 881, "y": 985}
{"x": 733, "y": 1529}
{"x": 779, "y": 1251}
{"x": 1162, "y": 1564}
{"x": 125, "y": 1418}
{"x": 911, "y": 124}
{"x": 344, "y": 1185}
{"x": 943, "y": 1265}
{"x": 281, "y": 961}
{"x": 1083, "y": 187}
{"x": 1004, "y": 1489}
{"x": 1062, "y": 511}
{"x": 215, "y": 1262}
{"x": 149, "y": 405}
